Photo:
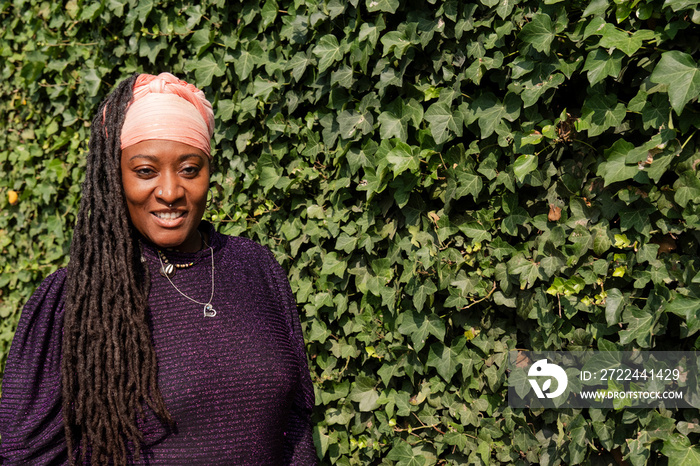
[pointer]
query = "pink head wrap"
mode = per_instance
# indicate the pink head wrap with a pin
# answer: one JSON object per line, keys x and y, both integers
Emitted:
{"x": 165, "y": 107}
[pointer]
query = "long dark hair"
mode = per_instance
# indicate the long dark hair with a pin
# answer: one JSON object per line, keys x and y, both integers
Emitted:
{"x": 109, "y": 369}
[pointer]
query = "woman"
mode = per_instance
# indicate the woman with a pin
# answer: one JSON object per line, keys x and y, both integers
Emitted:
{"x": 162, "y": 342}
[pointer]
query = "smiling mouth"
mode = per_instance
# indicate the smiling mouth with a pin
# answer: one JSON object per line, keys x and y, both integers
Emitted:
{"x": 168, "y": 215}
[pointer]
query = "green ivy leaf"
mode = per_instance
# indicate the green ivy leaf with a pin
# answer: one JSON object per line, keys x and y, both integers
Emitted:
{"x": 143, "y": 9}
{"x": 331, "y": 265}
{"x": 92, "y": 81}
{"x": 403, "y": 455}
{"x": 678, "y": 5}
{"x": 476, "y": 231}
{"x": 151, "y": 48}
{"x": 679, "y": 72}
{"x": 400, "y": 159}
{"x": 623, "y": 40}
{"x": 491, "y": 111}
{"x": 597, "y": 8}
{"x": 524, "y": 165}
{"x": 206, "y": 68}
{"x": 614, "y": 304}
{"x": 527, "y": 271}
{"x": 342, "y": 77}
{"x": 346, "y": 243}
{"x": 364, "y": 392}
{"x": 422, "y": 291}
{"x": 419, "y": 326}
{"x": 615, "y": 167}
{"x": 369, "y": 32}
{"x": 297, "y": 64}
{"x": 578, "y": 445}
{"x": 391, "y": 126}
{"x": 505, "y": 7}
{"x": 467, "y": 183}
{"x": 390, "y": 370}
{"x": 688, "y": 308}
{"x": 247, "y": 59}
{"x": 353, "y": 123}
{"x": 639, "y": 450}
{"x": 445, "y": 359}
{"x": 457, "y": 439}
{"x": 321, "y": 440}
{"x": 269, "y": 13}
{"x": 640, "y": 323}
{"x": 539, "y": 33}
{"x": 263, "y": 88}
{"x": 396, "y": 42}
{"x": 328, "y": 52}
{"x": 600, "y": 64}
{"x": 444, "y": 123}
{"x": 656, "y": 112}
{"x": 388, "y": 6}
{"x": 678, "y": 449}
{"x": 687, "y": 189}
{"x": 201, "y": 40}
{"x": 601, "y": 112}
{"x": 637, "y": 218}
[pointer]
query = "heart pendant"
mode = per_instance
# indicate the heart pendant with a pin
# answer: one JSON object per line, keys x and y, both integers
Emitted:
{"x": 209, "y": 311}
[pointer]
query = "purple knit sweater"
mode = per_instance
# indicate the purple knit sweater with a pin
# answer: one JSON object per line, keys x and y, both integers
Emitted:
{"x": 237, "y": 384}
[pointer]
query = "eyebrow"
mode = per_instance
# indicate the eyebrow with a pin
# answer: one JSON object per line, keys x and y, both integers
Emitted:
{"x": 154, "y": 159}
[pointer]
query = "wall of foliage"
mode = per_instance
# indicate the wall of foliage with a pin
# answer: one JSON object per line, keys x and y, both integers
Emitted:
{"x": 445, "y": 181}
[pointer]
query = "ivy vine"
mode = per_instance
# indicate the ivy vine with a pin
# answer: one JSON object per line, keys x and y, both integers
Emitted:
{"x": 445, "y": 181}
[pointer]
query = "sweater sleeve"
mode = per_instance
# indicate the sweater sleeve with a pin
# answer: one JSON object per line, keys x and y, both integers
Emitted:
{"x": 299, "y": 446}
{"x": 31, "y": 422}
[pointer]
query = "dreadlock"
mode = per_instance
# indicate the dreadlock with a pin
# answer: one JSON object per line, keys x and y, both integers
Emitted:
{"x": 109, "y": 368}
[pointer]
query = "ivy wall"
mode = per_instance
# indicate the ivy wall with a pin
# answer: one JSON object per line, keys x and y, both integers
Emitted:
{"x": 445, "y": 181}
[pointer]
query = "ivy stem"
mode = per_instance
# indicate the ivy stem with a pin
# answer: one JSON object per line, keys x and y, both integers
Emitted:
{"x": 484, "y": 298}
{"x": 587, "y": 145}
{"x": 688, "y": 140}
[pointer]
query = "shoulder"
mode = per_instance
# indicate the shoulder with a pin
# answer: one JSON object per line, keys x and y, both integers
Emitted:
{"x": 257, "y": 263}
{"x": 48, "y": 297}
{"x": 51, "y": 286}
{"x": 49, "y": 292}
{"x": 31, "y": 383}
{"x": 243, "y": 245}
{"x": 43, "y": 312}
{"x": 248, "y": 252}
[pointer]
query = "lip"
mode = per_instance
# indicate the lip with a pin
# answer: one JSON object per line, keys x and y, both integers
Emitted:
{"x": 169, "y": 222}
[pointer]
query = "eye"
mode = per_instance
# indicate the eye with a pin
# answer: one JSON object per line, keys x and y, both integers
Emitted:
{"x": 190, "y": 170}
{"x": 144, "y": 172}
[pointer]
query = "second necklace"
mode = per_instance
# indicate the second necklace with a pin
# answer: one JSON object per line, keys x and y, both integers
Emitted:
{"x": 209, "y": 310}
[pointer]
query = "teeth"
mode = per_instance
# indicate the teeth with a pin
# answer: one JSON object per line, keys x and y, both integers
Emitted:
{"x": 169, "y": 215}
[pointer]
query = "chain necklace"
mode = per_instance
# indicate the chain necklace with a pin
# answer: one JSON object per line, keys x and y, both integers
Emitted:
{"x": 209, "y": 310}
{"x": 167, "y": 269}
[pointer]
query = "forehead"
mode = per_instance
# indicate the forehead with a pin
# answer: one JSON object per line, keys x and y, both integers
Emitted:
{"x": 162, "y": 150}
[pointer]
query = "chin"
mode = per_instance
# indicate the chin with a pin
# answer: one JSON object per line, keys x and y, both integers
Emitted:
{"x": 167, "y": 242}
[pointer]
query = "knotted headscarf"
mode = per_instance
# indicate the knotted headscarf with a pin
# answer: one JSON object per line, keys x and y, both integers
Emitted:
{"x": 165, "y": 107}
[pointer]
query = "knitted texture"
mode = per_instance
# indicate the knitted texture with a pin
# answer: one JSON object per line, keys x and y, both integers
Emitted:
{"x": 237, "y": 384}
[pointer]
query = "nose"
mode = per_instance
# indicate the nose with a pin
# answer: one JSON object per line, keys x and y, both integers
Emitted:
{"x": 170, "y": 189}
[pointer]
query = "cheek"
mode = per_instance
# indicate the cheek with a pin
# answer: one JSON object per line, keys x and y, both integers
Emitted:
{"x": 200, "y": 190}
{"x": 135, "y": 194}
{"x": 201, "y": 197}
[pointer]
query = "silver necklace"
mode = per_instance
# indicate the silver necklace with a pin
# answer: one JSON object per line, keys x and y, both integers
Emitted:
{"x": 167, "y": 269}
{"x": 209, "y": 310}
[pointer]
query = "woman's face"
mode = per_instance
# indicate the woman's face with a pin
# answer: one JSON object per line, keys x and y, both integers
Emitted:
{"x": 166, "y": 184}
